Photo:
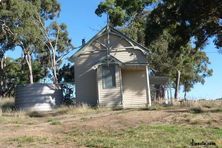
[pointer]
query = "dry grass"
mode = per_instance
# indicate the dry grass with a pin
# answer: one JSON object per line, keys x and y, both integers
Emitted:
{"x": 7, "y": 108}
{"x": 206, "y": 106}
{"x": 83, "y": 109}
{"x": 199, "y": 106}
{"x": 203, "y": 103}
{"x": 7, "y": 103}
{"x": 83, "y": 126}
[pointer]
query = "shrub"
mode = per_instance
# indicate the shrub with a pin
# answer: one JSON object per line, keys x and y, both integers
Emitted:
{"x": 7, "y": 104}
{"x": 196, "y": 109}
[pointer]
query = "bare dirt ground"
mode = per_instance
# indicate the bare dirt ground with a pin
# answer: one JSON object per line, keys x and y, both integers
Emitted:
{"x": 21, "y": 130}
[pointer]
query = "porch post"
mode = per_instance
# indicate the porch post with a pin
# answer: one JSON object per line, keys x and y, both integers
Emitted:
{"x": 99, "y": 77}
{"x": 148, "y": 85}
{"x": 121, "y": 84}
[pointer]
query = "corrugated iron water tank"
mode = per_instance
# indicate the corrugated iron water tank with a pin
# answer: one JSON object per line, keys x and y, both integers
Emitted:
{"x": 38, "y": 97}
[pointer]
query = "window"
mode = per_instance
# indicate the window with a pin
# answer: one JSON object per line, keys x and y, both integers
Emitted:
{"x": 108, "y": 76}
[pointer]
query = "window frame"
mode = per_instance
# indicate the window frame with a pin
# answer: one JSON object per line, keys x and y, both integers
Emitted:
{"x": 112, "y": 74}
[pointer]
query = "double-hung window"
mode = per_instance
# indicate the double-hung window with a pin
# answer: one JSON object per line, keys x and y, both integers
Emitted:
{"x": 108, "y": 76}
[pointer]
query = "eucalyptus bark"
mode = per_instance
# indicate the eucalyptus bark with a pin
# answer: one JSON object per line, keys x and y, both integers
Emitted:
{"x": 177, "y": 85}
{"x": 2, "y": 63}
{"x": 1, "y": 76}
{"x": 54, "y": 67}
{"x": 28, "y": 60}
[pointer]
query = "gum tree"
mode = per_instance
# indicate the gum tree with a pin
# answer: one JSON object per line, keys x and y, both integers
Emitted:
{"x": 19, "y": 27}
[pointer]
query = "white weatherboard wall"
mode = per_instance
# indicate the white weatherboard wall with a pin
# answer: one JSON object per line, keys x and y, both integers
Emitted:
{"x": 86, "y": 78}
{"x": 110, "y": 97}
{"x": 134, "y": 88}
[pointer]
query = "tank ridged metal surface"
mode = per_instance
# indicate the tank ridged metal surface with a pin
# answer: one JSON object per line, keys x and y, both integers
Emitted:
{"x": 38, "y": 97}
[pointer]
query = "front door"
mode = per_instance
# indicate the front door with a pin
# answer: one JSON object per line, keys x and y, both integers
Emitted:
{"x": 134, "y": 88}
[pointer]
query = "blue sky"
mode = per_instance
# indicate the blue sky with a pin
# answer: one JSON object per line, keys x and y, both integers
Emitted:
{"x": 82, "y": 23}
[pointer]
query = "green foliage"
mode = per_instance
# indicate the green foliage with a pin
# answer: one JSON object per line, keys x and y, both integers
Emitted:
{"x": 18, "y": 70}
{"x": 59, "y": 30}
{"x": 193, "y": 20}
{"x": 23, "y": 24}
{"x": 136, "y": 29}
{"x": 19, "y": 16}
{"x": 58, "y": 36}
{"x": 15, "y": 72}
{"x": 38, "y": 71}
{"x": 121, "y": 11}
{"x": 166, "y": 58}
{"x": 67, "y": 73}
{"x": 8, "y": 77}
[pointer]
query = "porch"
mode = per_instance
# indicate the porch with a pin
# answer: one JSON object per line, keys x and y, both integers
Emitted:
{"x": 124, "y": 86}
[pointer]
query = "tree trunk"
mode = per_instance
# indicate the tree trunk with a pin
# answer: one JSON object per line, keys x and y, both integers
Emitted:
{"x": 1, "y": 77}
{"x": 2, "y": 63}
{"x": 29, "y": 63}
{"x": 54, "y": 68}
{"x": 177, "y": 85}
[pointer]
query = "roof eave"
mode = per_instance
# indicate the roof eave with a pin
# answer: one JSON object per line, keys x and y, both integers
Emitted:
{"x": 141, "y": 47}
